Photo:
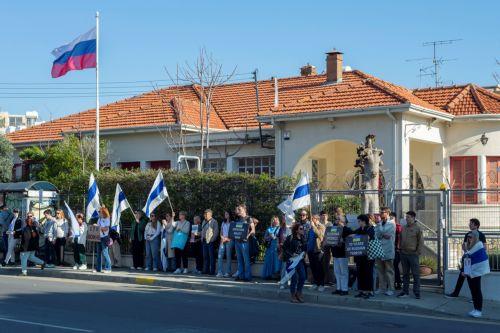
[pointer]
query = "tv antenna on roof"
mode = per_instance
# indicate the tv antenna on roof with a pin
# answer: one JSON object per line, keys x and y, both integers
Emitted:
{"x": 437, "y": 62}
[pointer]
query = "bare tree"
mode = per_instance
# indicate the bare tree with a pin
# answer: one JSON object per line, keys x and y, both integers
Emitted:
{"x": 206, "y": 75}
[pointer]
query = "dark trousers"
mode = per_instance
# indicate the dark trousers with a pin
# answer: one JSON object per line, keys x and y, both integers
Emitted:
{"x": 138, "y": 253}
{"x": 49, "y": 252}
{"x": 410, "y": 262}
{"x": 5, "y": 239}
{"x": 397, "y": 273}
{"x": 79, "y": 253}
{"x": 460, "y": 283}
{"x": 59, "y": 248}
{"x": 181, "y": 257}
{"x": 197, "y": 254}
{"x": 475, "y": 290}
{"x": 316, "y": 268}
{"x": 298, "y": 279}
{"x": 364, "y": 273}
{"x": 208, "y": 258}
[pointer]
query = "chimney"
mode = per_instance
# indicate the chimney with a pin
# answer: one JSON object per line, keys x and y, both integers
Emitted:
{"x": 308, "y": 70}
{"x": 334, "y": 66}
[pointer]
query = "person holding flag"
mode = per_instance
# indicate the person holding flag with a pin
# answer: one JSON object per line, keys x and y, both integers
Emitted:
{"x": 79, "y": 234}
{"x": 120, "y": 204}
{"x": 293, "y": 253}
{"x": 79, "y": 239}
{"x": 15, "y": 225}
{"x": 93, "y": 201}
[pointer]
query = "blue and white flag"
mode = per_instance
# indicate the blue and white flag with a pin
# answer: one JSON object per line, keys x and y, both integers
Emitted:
{"x": 476, "y": 261}
{"x": 12, "y": 224}
{"x": 287, "y": 210}
{"x": 290, "y": 267}
{"x": 156, "y": 196}
{"x": 119, "y": 205}
{"x": 75, "y": 227}
{"x": 93, "y": 202}
{"x": 301, "y": 194}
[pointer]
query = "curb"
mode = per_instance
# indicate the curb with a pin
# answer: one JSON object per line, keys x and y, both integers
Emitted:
{"x": 240, "y": 291}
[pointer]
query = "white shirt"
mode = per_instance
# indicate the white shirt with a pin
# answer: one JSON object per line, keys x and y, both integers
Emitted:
{"x": 150, "y": 232}
{"x": 62, "y": 228}
{"x": 103, "y": 223}
{"x": 225, "y": 229}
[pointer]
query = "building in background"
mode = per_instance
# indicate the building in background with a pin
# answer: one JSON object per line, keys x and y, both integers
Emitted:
{"x": 14, "y": 122}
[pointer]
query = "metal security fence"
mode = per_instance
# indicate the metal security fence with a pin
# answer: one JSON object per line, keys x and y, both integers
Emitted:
{"x": 455, "y": 251}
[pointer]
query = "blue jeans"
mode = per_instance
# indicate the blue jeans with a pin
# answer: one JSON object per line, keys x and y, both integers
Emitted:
{"x": 298, "y": 279}
{"x": 5, "y": 239}
{"x": 227, "y": 249}
{"x": 153, "y": 253}
{"x": 103, "y": 251}
{"x": 243, "y": 256}
{"x": 208, "y": 258}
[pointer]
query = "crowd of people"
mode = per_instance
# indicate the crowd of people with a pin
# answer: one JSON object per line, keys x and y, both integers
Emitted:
{"x": 165, "y": 244}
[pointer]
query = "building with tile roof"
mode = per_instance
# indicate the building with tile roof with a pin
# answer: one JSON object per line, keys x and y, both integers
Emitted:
{"x": 312, "y": 122}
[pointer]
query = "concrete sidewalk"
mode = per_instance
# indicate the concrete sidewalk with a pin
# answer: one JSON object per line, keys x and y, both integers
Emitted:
{"x": 431, "y": 303}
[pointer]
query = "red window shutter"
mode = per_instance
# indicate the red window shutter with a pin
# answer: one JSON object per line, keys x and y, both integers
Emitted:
{"x": 159, "y": 164}
{"x": 493, "y": 179}
{"x": 463, "y": 172}
{"x": 130, "y": 165}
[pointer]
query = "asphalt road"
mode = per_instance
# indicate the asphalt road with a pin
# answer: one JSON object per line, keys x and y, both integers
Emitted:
{"x": 29, "y": 304}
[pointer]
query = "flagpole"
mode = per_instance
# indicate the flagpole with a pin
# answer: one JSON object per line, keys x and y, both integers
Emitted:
{"x": 97, "y": 93}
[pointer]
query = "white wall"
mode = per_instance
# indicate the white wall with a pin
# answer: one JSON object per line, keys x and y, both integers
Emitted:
{"x": 140, "y": 147}
{"x": 307, "y": 134}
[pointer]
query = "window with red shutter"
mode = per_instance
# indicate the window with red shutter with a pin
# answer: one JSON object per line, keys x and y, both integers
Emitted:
{"x": 463, "y": 172}
{"x": 493, "y": 179}
{"x": 130, "y": 165}
{"x": 159, "y": 164}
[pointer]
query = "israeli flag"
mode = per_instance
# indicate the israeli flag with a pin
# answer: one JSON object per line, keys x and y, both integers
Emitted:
{"x": 12, "y": 224}
{"x": 93, "y": 205}
{"x": 301, "y": 194}
{"x": 290, "y": 267}
{"x": 75, "y": 227}
{"x": 287, "y": 210}
{"x": 119, "y": 205}
{"x": 156, "y": 196}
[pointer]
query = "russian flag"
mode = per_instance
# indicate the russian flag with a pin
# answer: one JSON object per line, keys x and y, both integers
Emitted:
{"x": 77, "y": 55}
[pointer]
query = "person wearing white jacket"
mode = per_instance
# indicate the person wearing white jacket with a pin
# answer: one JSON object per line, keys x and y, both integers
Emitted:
{"x": 152, "y": 237}
{"x": 79, "y": 244}
{"x": 62, "y": 231}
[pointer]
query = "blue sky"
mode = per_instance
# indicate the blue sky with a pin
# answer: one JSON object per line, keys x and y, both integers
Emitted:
{"x": 141, "y": 38}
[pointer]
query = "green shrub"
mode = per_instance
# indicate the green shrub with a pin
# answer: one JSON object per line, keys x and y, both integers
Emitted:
{"x": 430, "y": 262}
{"x": 350, "y": 204}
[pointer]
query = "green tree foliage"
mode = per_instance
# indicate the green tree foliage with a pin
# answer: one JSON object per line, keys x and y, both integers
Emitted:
{"x": 66, "y": 161}
{"x": 6, "y": 159}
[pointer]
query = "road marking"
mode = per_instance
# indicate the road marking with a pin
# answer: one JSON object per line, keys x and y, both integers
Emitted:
{"x": 144, "y": 280}
{"x": 45, "y": 325}
{"x": 140, "y": 288}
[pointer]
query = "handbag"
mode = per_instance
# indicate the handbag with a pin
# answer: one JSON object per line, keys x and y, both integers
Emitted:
{"x": 375, "y": 250}
{"x": 179, "y": 240}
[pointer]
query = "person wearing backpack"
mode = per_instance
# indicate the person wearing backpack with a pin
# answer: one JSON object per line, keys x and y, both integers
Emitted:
{"x": 385, "y": 232}
{"x": 271, "y": 262}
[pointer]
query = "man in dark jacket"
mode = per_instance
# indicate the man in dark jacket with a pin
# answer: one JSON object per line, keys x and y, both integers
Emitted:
{"x": 30, "y": 239}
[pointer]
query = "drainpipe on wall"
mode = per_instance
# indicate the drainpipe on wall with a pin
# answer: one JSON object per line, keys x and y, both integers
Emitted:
{"x": 394, "y": 138}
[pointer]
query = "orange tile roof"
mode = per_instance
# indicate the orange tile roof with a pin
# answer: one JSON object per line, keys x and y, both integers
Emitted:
{"x": 234, "y": 105}
{"x": 462, "y": 100}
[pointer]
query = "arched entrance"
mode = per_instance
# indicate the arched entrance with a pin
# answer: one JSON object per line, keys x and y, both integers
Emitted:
{"x": 330, "y": 164}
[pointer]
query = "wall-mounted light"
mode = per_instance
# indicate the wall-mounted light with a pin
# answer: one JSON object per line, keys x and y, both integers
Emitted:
{"x": 484, "y": 139}
{"x": 286, "y": 135}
